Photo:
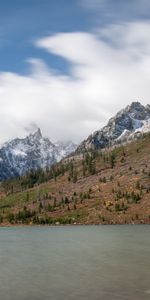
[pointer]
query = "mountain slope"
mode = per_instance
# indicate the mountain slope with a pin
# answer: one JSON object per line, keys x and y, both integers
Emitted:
{"x": 30, "y": 153}
{"x": 127, "y": 123}
{"x": 99, "y": 187}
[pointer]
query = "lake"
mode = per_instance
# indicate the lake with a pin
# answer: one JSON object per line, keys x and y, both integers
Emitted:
{"x": 75, "y": 262}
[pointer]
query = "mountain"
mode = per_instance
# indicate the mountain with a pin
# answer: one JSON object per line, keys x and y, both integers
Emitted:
{"x": 19, "y": 156}
{"x": 87, "y": 189}
{"x": 126, "y": 125}
{"x": 98, "y": 187}
{"x": 64, "y": 149}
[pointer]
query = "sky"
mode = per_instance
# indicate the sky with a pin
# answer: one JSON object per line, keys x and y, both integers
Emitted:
{"x": 67, "y": 66}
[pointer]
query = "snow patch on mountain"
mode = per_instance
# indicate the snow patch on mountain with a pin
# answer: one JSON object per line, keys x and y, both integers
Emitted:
{"x": 19, "y": 152}
{"x": 64, "y": 149}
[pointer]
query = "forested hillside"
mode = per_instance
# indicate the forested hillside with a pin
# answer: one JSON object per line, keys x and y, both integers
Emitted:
{"x": 110, "y": 186}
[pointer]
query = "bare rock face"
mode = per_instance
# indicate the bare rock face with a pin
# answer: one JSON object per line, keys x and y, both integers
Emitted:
{"x": 127, "y": 123}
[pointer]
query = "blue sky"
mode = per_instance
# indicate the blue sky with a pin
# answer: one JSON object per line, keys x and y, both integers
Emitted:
{"x": 71, "y": 64}
{"x": 22, "y": 21}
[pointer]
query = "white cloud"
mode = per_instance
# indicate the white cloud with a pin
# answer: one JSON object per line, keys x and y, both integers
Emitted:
{"x": 108, "y": 70}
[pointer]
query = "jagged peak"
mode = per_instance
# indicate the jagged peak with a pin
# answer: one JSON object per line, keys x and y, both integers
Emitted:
{"x": 36, "y": 134}
{"x": 130, "y": 118}
{"x": 135, "y": 105}
{"x": 135, "y": 110}
{"x": 30, "y": 153}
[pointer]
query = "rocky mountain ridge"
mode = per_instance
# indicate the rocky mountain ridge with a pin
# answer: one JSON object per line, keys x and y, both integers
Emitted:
{"x": 19, "y": 156}
{"x": 125, "y": 125}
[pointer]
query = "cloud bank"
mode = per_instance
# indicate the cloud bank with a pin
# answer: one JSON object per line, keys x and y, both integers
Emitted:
{"x": 109, "y": 69}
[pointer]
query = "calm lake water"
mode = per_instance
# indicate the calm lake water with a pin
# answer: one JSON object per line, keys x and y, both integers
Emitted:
{"x": 80, "y": 262}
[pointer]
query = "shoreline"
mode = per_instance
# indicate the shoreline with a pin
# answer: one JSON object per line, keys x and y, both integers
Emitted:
{"x": 70, "y": 225}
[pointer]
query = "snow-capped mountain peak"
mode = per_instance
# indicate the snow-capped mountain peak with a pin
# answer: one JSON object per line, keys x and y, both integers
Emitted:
{"x": 30, "y": 153}
{"x": 127, "y": 122}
